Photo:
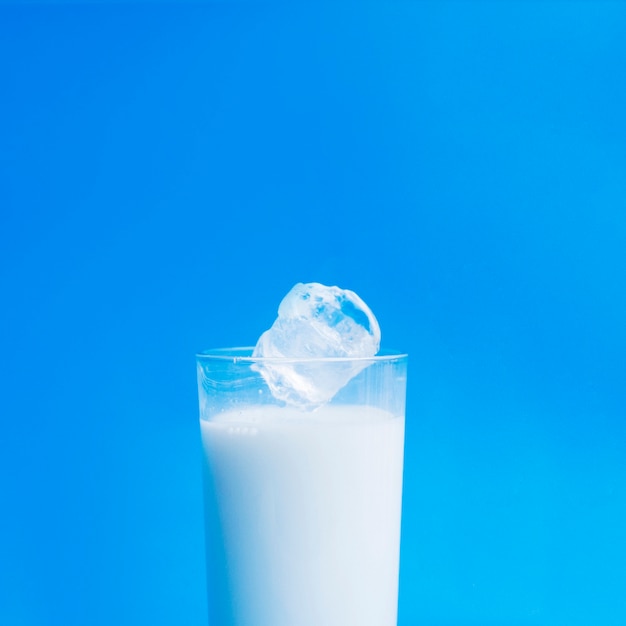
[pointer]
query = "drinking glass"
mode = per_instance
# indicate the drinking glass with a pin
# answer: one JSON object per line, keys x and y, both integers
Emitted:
{"x": 302, "y": 508}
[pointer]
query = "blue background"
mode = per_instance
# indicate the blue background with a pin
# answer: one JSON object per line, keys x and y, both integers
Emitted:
{"x": 168, "y": 172}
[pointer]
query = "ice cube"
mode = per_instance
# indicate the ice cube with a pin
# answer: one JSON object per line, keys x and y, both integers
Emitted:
{"x": 315, "y": 321}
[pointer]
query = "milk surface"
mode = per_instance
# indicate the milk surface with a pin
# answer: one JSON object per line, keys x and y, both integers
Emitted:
{"x": 303, "y": 516}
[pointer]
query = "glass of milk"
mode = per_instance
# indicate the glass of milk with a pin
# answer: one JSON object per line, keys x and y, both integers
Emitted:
{"x": 302, "y": 507}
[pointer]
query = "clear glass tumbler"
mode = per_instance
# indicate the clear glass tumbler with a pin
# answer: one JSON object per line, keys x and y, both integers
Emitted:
{"x": 302, "y": 507}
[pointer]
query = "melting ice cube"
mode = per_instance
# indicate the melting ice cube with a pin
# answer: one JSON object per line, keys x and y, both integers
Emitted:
{"x": 315, "y": 321}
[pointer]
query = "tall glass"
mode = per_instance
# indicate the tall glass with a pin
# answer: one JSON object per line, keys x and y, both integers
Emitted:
{"x": 302, "y": 508}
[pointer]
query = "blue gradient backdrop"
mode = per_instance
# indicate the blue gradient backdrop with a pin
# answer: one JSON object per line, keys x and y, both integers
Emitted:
{"x": 168, "y": 172}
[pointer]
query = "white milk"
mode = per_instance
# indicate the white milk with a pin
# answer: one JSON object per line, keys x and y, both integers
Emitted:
{"x": 303, "y": 516}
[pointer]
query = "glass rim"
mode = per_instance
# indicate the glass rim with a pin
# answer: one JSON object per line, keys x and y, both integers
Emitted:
{"x": 243, "y": 354}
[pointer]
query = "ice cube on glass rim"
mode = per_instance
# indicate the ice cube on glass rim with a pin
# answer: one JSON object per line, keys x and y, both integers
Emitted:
{"x": 315, "y": 321}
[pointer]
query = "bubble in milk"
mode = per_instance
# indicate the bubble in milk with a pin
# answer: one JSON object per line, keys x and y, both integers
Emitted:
{"x": 316, "y": 322}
